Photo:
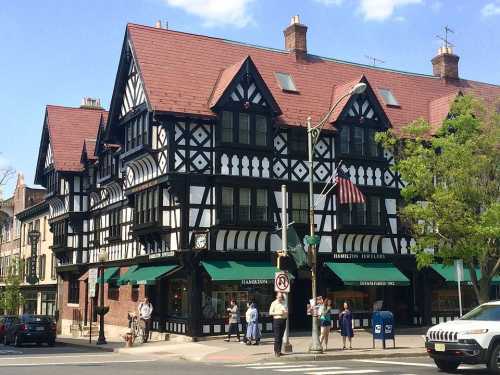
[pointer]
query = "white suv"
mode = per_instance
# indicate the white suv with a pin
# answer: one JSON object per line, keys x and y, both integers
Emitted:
{"x": 472, "y": 339}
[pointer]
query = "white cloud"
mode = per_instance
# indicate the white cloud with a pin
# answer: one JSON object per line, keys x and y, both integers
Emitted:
{"x": 330, "y": 2}
{"x": 380, "y": 10}
{"x": 217, "y": 12}
{"x": 491, "y": 9}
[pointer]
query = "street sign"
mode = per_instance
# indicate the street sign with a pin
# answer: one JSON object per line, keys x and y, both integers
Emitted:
{"x": 281, "y": 282}
{"x": 92, "y": 281}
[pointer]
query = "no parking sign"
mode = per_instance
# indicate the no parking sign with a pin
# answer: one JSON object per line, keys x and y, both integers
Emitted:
{"x": 281, "y": 282}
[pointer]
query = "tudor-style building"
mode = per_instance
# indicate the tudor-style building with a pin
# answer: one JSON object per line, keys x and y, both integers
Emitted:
{"x": 180, "y": 184}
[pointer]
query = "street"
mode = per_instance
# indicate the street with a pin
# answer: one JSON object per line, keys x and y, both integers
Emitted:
{"x": 64, "y": 359}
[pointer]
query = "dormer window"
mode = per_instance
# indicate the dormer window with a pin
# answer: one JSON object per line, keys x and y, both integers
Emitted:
{"x": 244, "y": 128}
{"x": 286, "y": 82}
{"x": 389, "y": 98}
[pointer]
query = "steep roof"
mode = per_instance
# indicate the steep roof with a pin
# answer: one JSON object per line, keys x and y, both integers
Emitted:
{"x": 183, "y": 72}
{"x": 68, "y": 129}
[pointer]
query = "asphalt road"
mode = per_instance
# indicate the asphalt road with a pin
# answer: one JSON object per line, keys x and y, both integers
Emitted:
{"x": 64, "y": 360}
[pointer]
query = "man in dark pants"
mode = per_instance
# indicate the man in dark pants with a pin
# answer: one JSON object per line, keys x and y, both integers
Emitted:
{"x": 279, "y": 312}
{"x": 234, "y": 321}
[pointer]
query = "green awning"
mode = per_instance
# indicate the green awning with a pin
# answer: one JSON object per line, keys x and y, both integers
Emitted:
{"x": 109, "y": 273}
{"x": 147, "y": 275}
{"x": 125, "y": 278}
{"x": 449, "y": 274}
{"x": 368, "y": 274}
{"x": 248, "y": 272}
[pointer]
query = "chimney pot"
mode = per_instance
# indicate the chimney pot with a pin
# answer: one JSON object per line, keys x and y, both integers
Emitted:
{"x": 91, "y": 103}
{"x": 445, "y": 64}
{"x": 295, "y": 37}
{"x": 158, "y": 24}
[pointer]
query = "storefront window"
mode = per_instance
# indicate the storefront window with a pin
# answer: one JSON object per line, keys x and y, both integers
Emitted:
{"x": 178, "y": 306}
{"x": 219, "y": 299}
{"x": 30, "y": 302}
{"x": 357, "y": 299}
{"x": 48, "y": 303}
{"x": 446, "y": 299}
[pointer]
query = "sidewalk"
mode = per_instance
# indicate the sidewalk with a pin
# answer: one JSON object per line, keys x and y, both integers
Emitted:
{"x": 409, "y": 344}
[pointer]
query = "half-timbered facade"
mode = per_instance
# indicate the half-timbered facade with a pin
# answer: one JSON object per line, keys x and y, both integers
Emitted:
{"x": 181, "y": 183}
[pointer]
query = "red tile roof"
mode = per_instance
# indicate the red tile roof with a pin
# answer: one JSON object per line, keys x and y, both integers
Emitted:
{"x": 89, "y": 149}
{"x": 225, "y": 78}
{"x": 68, "y": 130}
{"x": 183, "y": 72}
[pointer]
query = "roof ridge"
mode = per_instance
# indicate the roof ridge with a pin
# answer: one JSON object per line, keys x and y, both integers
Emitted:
{"x": 83, "y": 109}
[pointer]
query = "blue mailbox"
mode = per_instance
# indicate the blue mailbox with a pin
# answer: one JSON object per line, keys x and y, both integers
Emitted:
{"x": 383, "y": 327}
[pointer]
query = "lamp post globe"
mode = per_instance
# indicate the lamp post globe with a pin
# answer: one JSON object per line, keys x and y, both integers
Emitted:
{"x": 358, "y": 88}
{"x": 102, "y": 310}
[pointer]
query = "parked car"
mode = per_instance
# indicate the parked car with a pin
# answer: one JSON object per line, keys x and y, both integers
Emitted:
{"x": 4, "y": 322}
{"x": 30, "y": 328}
{"x": 472, "y": 339}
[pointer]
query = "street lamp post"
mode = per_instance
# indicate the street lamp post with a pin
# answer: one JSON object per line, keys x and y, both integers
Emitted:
{"x": 102, "y": 310}
{"x": 313, "y": 133}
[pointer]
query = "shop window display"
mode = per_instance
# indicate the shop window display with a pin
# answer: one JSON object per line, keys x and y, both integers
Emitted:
{"x": 217, "y": 301}
{"x": 446, "y": 300}
{"x": 358, "y": 300}
{"x": 178, "y": 306}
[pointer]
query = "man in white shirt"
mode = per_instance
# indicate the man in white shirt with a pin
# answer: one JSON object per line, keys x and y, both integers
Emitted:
{"x": 279, "y": 312}
{"x": 145, "y": 311}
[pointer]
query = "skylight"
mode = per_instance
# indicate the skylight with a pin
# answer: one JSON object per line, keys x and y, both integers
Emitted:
{"x": 286, "y": 82}
{"x": 389, "y": 97}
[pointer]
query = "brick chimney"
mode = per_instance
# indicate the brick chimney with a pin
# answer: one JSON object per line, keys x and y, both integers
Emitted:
{"x": 445, "y": 64}
{"x": 295, "y": 37}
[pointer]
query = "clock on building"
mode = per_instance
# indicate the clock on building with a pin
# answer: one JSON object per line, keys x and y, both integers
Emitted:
{"x": 200, "y": 240}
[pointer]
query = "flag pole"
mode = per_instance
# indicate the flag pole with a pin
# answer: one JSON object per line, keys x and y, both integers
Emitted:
{"x": 284, "y": 243}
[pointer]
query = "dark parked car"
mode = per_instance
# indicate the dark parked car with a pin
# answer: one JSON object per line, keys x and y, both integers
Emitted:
{"x": 4, "y": 322}
{"x": 30, "y": 329}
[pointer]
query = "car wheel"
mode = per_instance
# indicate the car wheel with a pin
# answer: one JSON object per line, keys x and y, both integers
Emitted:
{"x": 446, "y": 366}
{"x": 494, "y": 361}
{"x": 17, "y": 341}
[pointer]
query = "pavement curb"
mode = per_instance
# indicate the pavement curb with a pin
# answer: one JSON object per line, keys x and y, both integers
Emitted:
{"x": 87, "y": 346}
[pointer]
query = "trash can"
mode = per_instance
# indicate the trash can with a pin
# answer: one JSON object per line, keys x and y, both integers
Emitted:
{"x": 383, "y": 327}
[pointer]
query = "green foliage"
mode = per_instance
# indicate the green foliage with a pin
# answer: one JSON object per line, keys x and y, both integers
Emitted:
{"x": 452, "y": 190}
{"x": 11, "y": 298}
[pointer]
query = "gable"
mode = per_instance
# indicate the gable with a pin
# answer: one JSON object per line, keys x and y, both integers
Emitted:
{"x": 133, "y": 95}
{"x": 361, "y": 107}
{"x": 242, "y": 84}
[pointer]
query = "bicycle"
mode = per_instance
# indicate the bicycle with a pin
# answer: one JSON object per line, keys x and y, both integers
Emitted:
{"x": 137, "y": 328}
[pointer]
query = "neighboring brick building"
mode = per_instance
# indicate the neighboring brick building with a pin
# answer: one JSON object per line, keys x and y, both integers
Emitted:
{"x": 180, "y": 182}
{"x": 10, "y": 226}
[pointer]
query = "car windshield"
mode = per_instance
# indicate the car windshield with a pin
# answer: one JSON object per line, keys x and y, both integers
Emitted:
{"x": 484, "y": 312}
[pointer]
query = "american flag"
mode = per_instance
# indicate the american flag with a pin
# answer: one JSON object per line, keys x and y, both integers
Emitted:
{"x": 348, "y": 192}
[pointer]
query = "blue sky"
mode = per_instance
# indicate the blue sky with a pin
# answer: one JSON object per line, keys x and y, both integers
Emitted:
{"x": 57, "y": 51}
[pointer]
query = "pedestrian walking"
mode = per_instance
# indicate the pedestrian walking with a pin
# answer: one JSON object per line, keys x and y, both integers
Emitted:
{"x": 253, "y": 331}
{"x": 234, "y": 320}
{"x": 279, "y": 312}
{"x": 325, "y": 319}
{"x": 345, "y": 321}
{"x": 145, "y": 309}
{"x": 246, "y": 322}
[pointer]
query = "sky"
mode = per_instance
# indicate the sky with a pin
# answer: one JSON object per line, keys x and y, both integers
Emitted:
{"x": 58, "y": 51}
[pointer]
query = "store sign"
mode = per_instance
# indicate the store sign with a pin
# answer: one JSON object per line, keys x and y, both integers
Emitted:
{"x": 377, "y": 283}
{"x": 164, "y": 254}
{"x": 359, "y": 256}
{"x": 254, "y": 282}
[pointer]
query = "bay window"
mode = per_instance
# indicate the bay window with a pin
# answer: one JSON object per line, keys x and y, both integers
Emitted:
{"x": 244, "y": 128}
{"x": 243, "y": 205}
{"x": 147, "y": 206}
{"x": 358, "y": 141}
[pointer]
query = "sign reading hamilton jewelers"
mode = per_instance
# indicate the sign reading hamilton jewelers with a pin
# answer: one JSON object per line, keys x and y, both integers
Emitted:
{"x": 358, "y": 256}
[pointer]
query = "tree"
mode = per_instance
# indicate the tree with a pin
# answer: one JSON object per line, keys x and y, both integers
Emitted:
{"x": 11, "y": 298}
{"x": 452, "y": 192}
